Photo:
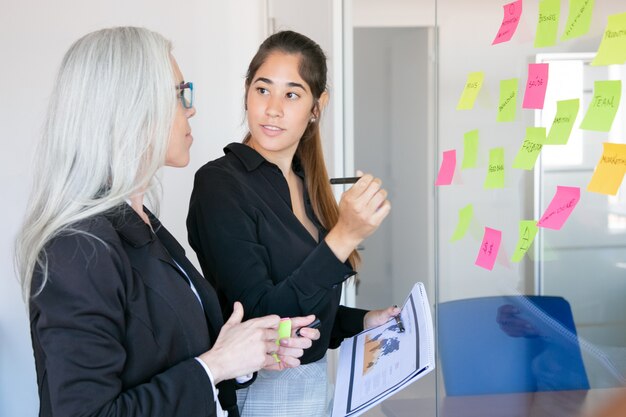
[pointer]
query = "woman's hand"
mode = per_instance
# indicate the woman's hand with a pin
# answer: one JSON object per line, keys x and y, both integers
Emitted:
{"x": 242, "y": 347}
{"x": 361, "y": 211}
{"x": 292, "y": 348}
{"x": 375, "y": 318}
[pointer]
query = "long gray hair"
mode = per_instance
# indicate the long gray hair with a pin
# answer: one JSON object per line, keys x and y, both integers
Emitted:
{"x": 105, "y": 137}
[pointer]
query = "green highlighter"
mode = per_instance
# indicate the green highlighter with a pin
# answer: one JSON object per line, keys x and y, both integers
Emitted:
{"x": 284, "y": 331}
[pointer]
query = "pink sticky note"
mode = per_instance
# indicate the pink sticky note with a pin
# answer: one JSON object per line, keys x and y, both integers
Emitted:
{"x": 536, "y": 85}
{"x": 446, "y": 171}
{"x": 489, "y": 248}
{"x": 512, "y": 14}
{"x": 560, "y": 207}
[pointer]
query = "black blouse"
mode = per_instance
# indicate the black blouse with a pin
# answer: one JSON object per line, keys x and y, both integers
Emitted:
{"x": 253, "y": 248}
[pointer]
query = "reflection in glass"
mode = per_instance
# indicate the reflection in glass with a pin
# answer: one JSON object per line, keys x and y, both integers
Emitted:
{"x": 507, "y": 344}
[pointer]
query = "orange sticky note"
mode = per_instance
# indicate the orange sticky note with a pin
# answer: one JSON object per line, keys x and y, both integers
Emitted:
{"x": 489, "y": 248}
{"x": 446, "y": 171}
{"x": 512, "y": 14}
{"x": 560, "y": 207}
{"x": 610, "y": 171}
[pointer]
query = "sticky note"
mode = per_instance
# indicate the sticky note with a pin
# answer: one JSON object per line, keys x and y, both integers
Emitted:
{"x": 548, "y": 23}
{"x": 495, "y": 170}
{"x": 446, "y": 170}
{"x": 610, "y": 171}
{"x": 489, "y": 248}
{"x": 612, "y": 49}
{"x": 579, "y": 18}
{"x": 284, "y": 331}
{"x": 536, "y": 85}
{"x": 566, "y": 113}
{"x": 603, "y": 106}
{"x": 527, "y": 232}
{"x": 470, "y": 149}
{"x": 510, "y": 20}
{"x": 508, "y": 100}
{"x": 465, "y": 217}
{"x": 531, "y": 146}
{"x": 470, "y": 92}
{"x": 560, "y": 207}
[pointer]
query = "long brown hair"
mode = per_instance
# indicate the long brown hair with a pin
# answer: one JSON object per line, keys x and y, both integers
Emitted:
{"x": 313, "y": 71}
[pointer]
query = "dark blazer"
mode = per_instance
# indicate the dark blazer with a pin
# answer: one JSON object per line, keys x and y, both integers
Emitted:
{"x": 116, "y": 327}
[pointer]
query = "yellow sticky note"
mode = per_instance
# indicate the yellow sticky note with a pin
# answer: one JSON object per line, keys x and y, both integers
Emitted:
{"x": 548, "y": 23}
{"x": 284, "y": 331}
{"x": 579, "y": 18}
{"x": 465, "y": 217}
{"x": 531, "y": 146}
{"x": 508, "y": 100}
{"x": 495, "y": 171}
{"x": 566, "y": 113}
{"x": 470, "y": 92}
{"x": 470, "y": 149}
{"x": 612, "y": 49}
{"x": 527, "y": 232}
{"x": 610, "y": 171}
{"x": 603, "y": 106}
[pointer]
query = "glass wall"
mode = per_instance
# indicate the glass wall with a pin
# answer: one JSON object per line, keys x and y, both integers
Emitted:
{"x": 531, "y": 213}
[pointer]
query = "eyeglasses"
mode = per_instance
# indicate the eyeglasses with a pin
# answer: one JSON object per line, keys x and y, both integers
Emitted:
{"x": 185, "y": 93}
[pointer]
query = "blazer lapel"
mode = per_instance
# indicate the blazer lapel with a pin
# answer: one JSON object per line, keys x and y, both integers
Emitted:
{"x": 171, "y": 249}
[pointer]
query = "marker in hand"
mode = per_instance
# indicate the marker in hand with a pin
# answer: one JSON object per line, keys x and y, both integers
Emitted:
{"x": 313, "y": 325}
{"x": 346, "y": 180}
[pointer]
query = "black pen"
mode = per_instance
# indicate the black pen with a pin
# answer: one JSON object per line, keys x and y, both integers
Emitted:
{"x": 346, "y": 180}
{"x": 399, "y": 321}
{"x": 313, "y": 325}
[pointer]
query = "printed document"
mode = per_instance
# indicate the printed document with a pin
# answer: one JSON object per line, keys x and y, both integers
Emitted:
{"x": 381, "y": 361}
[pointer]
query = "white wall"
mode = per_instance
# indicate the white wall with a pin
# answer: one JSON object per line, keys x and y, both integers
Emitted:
{"x": 393, "y": 13}
{"x": 213, "y": 42}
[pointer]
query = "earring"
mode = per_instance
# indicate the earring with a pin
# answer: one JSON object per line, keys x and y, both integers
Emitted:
{"x": 313, "y": 119}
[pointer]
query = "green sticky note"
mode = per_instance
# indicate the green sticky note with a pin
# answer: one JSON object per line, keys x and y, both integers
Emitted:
{"x": 566, "y": 113}
{"x": 470, "y": 92}
{"x": 603, "y": 106}
{"x": 528, "y": 153}
{"x": 470, "y": 149}
{"x": 495, "y": 170}
{"x": 284, "y": 331}
{"x": 579, "y": 19}
{"x": 465, "y": 217}
{"x": 508, "y": 100}
{"x": 548, "y": 24}
{"x": 527, "y": 232}
{"x": 612, "y": 49}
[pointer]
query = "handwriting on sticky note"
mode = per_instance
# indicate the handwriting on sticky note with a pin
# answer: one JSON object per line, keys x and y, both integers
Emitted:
{"x": 566, "y": 113}
{"x": 579, "y": 18}
{"x": 510, "y": 20}
{"x": 612, "y": 49}
{"x": 472, "y": 87}
{"x": 531, "y": 147}
{"x": 536, "y": 85}
{"x": 548, "y": 23}
{"x": 508, "y": 100}
{"x": 527, "y": 231}
{"x": 489, "y": 248}
{"x": 560, "y": 208}
{"x": 495, "y": 169}
{"x": 465, "y": 217}
{"x": 609, "y": 173}
{"x": 470, "y": 149}
{"x": 603, "y": 106}
{"x": 446, "y": 170}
